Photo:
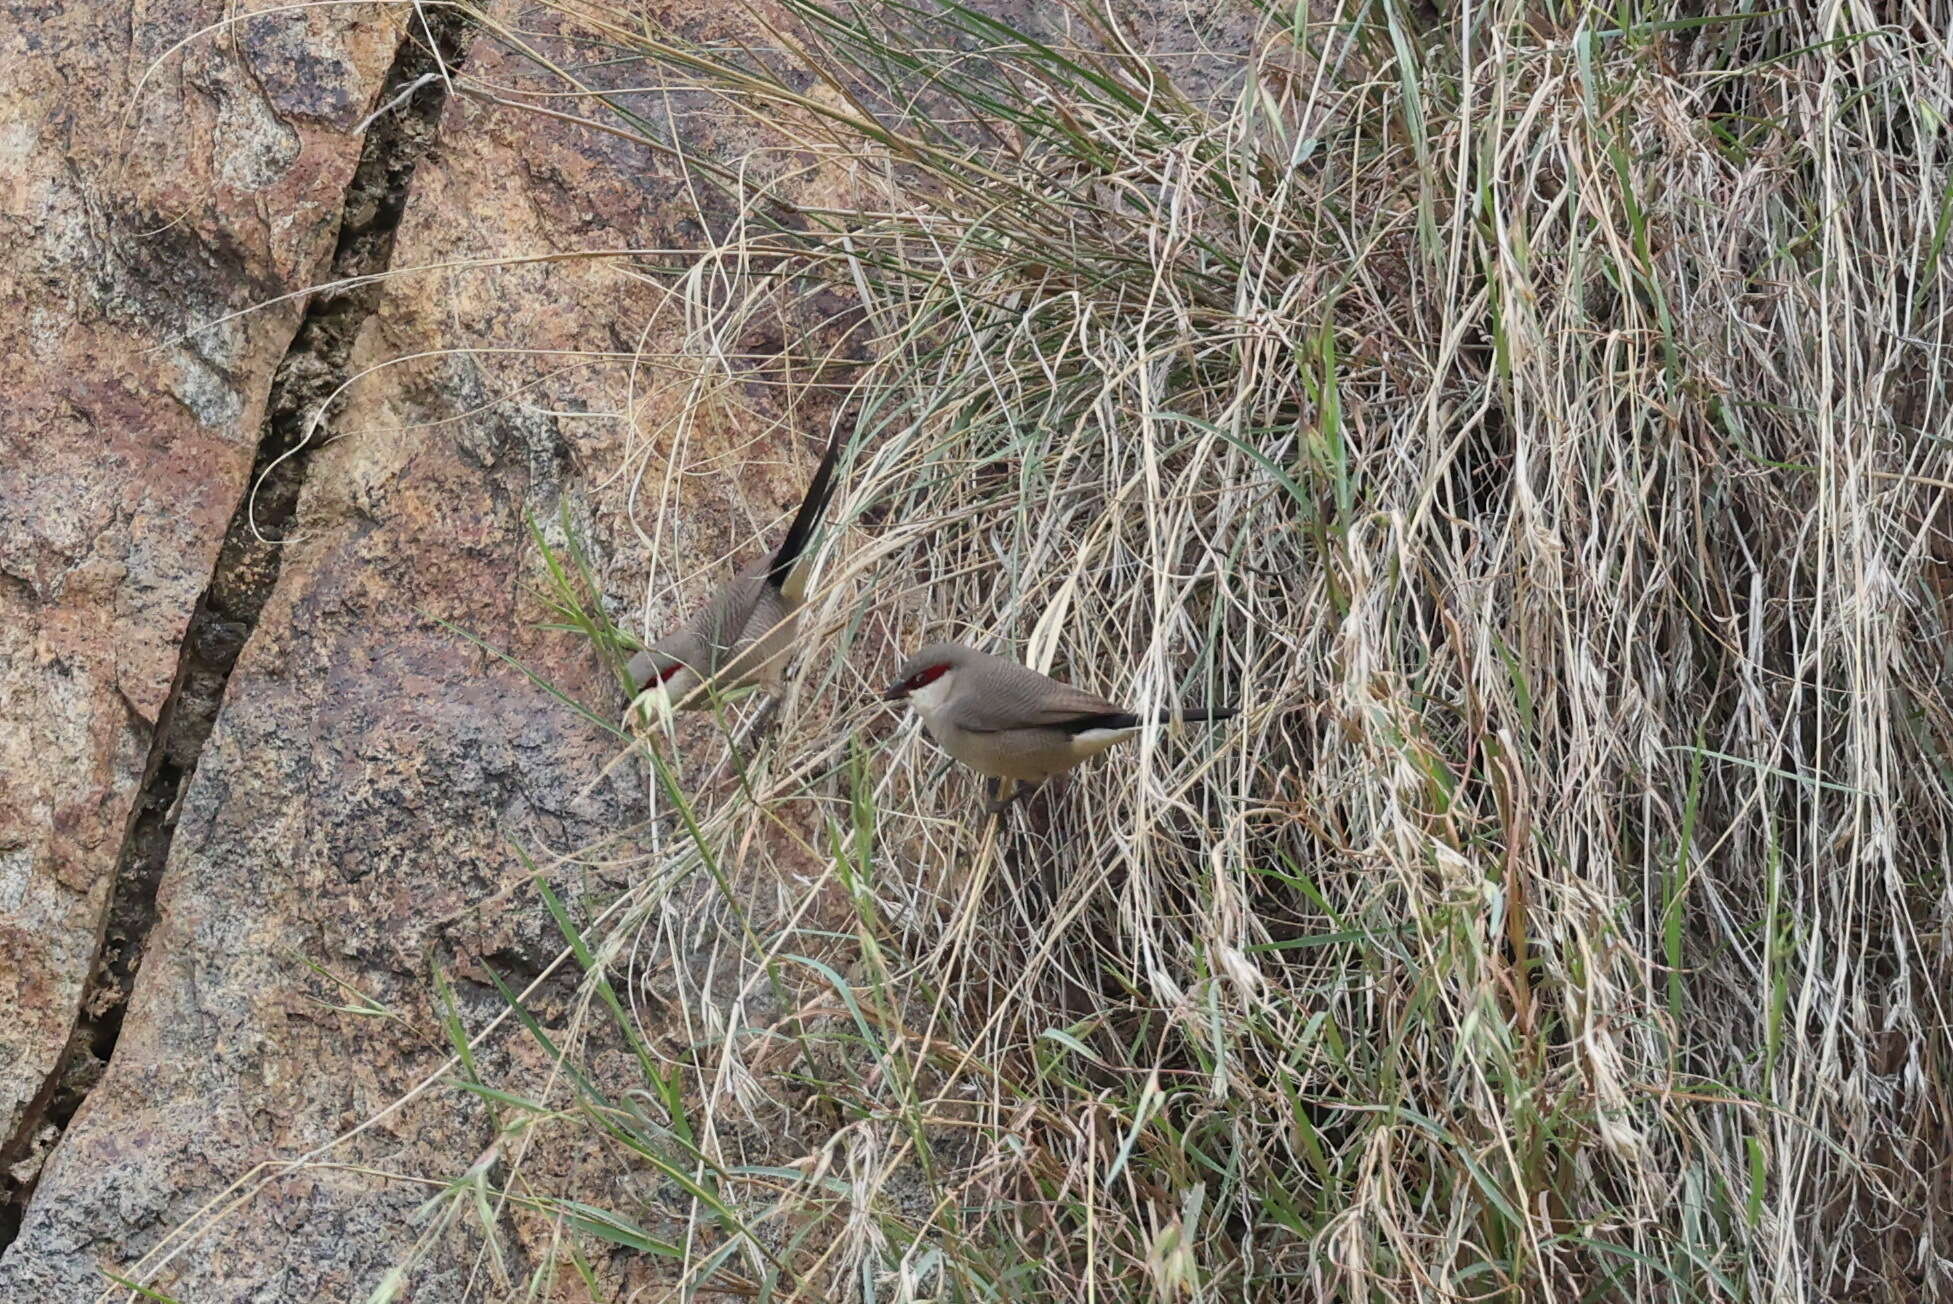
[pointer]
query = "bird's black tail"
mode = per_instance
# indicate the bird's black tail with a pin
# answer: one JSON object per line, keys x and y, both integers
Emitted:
{"x": 1196, "y": 714}
{"x": 780, "y": 569}
{"x": 1127, "y": 720}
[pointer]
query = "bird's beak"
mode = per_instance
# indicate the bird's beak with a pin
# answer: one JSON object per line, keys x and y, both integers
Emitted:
{"x": 894, "y": 693}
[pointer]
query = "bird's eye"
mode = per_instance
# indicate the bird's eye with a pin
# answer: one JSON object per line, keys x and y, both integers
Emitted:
{"x": 922, "y": 677}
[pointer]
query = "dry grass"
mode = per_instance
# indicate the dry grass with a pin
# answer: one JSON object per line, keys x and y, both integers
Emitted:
{"x": 1538, "y": 421}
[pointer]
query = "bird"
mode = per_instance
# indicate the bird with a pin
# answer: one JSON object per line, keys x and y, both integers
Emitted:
{"x": 1010, "y": 723}
{"x": 742, "y": 637}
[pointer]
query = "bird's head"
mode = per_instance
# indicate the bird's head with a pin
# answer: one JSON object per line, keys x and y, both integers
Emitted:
{"x": 925, "y": 679}
{"x": 663, "y": 683}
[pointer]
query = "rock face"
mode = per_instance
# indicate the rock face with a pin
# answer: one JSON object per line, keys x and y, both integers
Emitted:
{"x": 143, "y": 190}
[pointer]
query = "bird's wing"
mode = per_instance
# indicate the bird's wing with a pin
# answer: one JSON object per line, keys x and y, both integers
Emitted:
{"x": 763, "y": 617}
{"x": 709, "y": 641}
{"x": 722, "y": 625}
{"x": 1018, "y": 697}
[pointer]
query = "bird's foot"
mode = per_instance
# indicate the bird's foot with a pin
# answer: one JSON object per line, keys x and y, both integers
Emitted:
{"x": 742, "y": 749}
{"x": 762, "y": 724}
{"x": 996, "y": 805}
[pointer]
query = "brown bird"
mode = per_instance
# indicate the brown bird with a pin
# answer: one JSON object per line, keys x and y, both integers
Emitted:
{"x": 743, "y": 636}
{"x": 1008, "y": 722}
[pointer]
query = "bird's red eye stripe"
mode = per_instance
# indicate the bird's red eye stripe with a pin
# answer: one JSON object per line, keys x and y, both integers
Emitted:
{"x": 922, "y": 677}
{"x": 668, "y": 672}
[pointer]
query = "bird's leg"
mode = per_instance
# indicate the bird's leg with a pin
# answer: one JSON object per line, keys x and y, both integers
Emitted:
{"x": 762, "y": 722}
{"x": 995, "y": 804}
{"x": 741, "y": 745}
{"x": 1019, "y": 790}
